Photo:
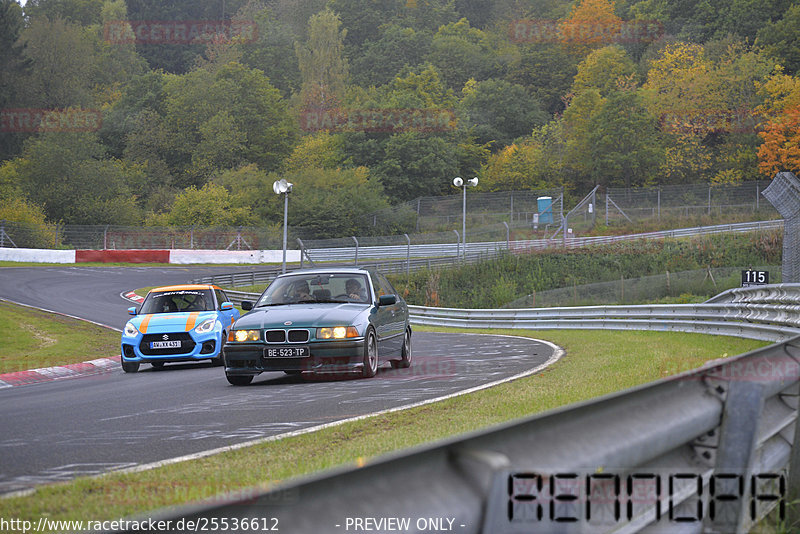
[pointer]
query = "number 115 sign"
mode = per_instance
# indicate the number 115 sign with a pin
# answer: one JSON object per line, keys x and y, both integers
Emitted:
{"x": 754, "y": 278}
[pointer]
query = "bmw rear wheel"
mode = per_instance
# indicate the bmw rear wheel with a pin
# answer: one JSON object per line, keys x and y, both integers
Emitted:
{"x": 370, "y": 367}
{"x": 405, "y": 361}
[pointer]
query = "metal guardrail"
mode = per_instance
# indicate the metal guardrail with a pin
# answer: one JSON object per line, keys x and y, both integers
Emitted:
{"x": 766, "y": 322}
{"x": 710, "y": 450}
{"x": 428, "y": 256}
{"x": 496, "y": 247}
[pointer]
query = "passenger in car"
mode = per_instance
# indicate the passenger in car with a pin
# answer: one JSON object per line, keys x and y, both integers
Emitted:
{"x": 355, "y": 291}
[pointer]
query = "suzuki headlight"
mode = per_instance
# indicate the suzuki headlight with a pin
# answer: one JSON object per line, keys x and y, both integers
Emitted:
{"x": 206, "y": 326}
{"x": 130, "y": 330}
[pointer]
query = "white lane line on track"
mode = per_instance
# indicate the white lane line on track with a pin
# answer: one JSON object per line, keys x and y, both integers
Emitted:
{"x": 3, "y": 299}
{"x": 558, "y": 353}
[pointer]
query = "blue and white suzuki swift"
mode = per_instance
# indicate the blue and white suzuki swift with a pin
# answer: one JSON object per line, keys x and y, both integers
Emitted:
{"x": 176, "y": 324}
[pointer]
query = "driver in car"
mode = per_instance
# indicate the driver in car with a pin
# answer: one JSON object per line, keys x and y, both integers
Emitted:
{"x": 354, "y": 290}
{"x": 300, "y": 291}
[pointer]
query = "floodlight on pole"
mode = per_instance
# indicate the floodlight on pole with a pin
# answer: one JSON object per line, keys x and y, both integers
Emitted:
{"x": 282, "y": 187}
{"x": 458, "y": 182}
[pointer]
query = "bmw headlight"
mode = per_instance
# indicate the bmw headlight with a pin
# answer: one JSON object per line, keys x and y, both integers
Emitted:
{"x": 130, "y": 330}
{"x": 206, "y": 326}
{"x": 337, "y": 332}
{"x": 244, "y": 335}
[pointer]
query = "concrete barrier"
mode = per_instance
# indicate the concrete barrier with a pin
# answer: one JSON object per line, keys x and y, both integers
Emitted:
{"x": 37, "y": 255}
{"x": 182, "y": 256}
{"x": 177, "y": 256}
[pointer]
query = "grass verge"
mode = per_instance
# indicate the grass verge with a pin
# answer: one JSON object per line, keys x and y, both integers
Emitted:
{"x": 596, "y": 363}
{"x": 30, "y": 339}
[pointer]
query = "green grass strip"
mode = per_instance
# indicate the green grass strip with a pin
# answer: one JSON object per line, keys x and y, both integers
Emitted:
{"x": 30, "y": 338}
{"x": 596, "y": 363}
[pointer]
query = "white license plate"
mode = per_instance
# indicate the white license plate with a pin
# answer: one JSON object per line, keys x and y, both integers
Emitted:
{"x": 165, "y": 344}
{"x": 287, "y": 352}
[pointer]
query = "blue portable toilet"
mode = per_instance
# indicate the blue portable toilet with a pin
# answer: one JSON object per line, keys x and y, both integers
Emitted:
{"x": 545, "y": 205}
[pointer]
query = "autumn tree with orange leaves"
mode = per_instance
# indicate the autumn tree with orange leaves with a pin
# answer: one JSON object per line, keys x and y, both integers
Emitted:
{"x": 591, "y": 22}
{"x": 781, "y": 148}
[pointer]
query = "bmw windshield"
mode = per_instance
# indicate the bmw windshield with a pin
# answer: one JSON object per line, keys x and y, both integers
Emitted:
{"x": 327, "y": 287}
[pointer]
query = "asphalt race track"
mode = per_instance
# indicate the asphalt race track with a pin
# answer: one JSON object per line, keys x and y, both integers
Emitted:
{"x": 66, "y": 428}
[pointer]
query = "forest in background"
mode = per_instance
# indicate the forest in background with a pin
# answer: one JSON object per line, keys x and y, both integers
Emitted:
{"x": 364, "y": 104}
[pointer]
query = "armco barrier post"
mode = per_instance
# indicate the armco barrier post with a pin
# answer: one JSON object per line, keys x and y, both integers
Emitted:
{"x": 408, "y": 258}
{"x": 744, "y": 403}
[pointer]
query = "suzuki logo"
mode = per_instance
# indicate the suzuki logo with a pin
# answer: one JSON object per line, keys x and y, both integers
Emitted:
{"x": 165, "y": 337}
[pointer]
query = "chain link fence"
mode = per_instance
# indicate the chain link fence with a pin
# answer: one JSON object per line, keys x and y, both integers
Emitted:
{"x": 687, "y": 200}
{"x": 643, "y": 289}
{"x": 494, "y": 216}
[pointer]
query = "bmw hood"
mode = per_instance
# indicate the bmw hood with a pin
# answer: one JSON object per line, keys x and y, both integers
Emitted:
{"x": 310, "y": 315}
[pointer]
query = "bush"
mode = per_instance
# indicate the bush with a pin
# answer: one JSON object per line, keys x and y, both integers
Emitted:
{"x": 494, "y": 283}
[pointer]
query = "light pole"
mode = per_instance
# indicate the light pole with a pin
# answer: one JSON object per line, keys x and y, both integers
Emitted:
{"x": 282, "y": 187}
{"x": 458, "y": 182}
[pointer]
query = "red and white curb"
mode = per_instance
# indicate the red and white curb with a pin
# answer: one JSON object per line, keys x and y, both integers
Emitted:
{"x": 48, "y": 374}
{"x": 72, "y": 370}
{"x": 132, "y": 296}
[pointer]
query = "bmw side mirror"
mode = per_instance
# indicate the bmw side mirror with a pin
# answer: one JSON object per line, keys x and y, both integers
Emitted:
{"x": 132, "y": 310}
{"x": 386, "y": 300}
{"x": 247, "y": 305}
{"x": 226, "y": 306}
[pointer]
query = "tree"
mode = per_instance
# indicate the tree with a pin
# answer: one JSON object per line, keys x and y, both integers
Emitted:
{"x": 260, "y": 127}
{"x": 547, "y": 71}
{"x": 591, "y": 23}
{"x": 383, "y": 59}
{"x": 272, "y": 52}
{"x": 12, "y": 60}
{"x": 13, "y": 65}
{"x": 61, "y": 54}
{"x": 498, "y": 111}
{"x": 222, "y": 145}
{"x": 414, "y": 165}
{"x": 332, "y": 202}
{"x": 515, "y": 167}
{"x": 428, "y": 14}
{"x": 123, "y": 118}
{"x": 323, "y": 67}
{"x": 208, "y": 206}
{"x": 321, "y": 150}
{"x": 182, "y": 57}
{"x": 82, "y": 12}
{"x": 66, "y": 174}
{"x": 363, "y": 20}
{"x": 782, "y": 39}
{"x": 115, "y": 63}
{"x": 781, "y": 148}
{"x": 625, "y": 142}
{"x": 604, "y": 69}
{"x": 461, "y": 52}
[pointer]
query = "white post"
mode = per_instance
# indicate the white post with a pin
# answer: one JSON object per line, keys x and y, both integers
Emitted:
{"x": 285, "y": 219}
